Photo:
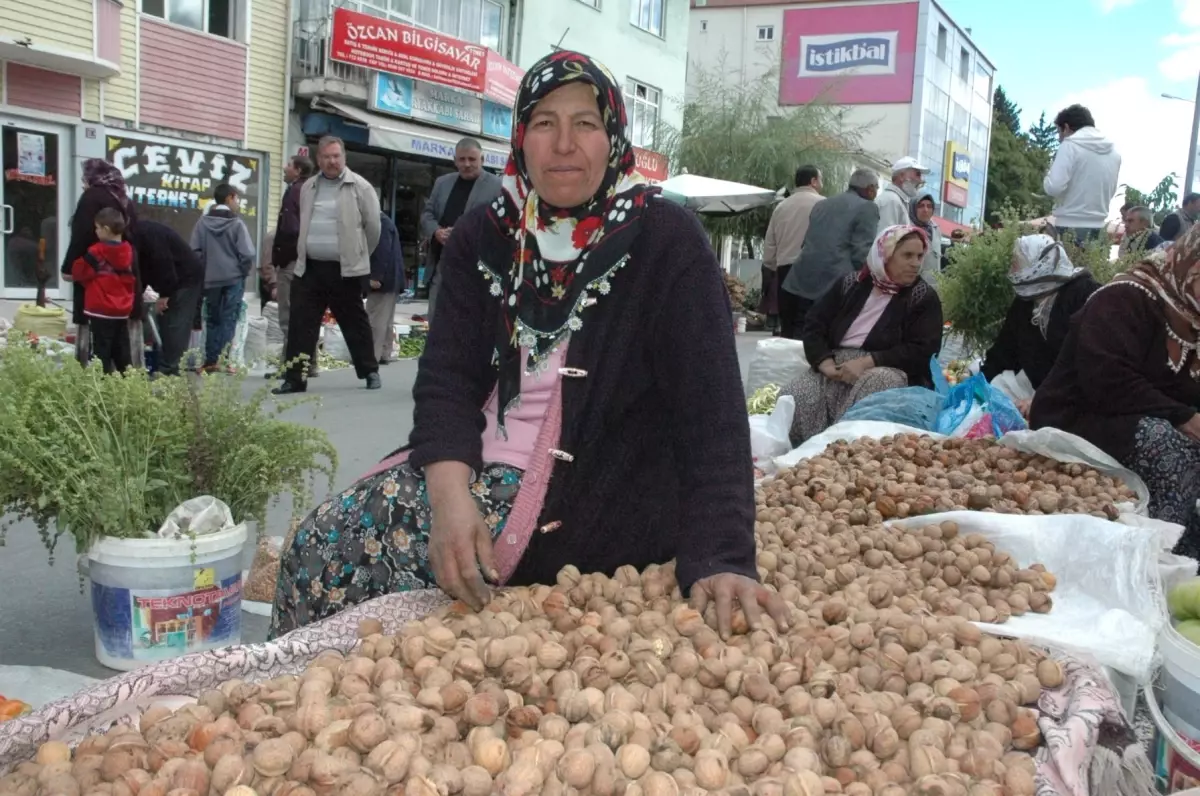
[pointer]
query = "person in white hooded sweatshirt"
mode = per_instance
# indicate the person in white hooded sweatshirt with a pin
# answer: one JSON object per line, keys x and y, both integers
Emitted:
{"x": 1083, "y": 177}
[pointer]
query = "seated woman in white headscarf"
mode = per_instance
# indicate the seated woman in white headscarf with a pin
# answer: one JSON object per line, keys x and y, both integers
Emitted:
{"x": 1050, "y": 289}
{"x": 873, "y": 330}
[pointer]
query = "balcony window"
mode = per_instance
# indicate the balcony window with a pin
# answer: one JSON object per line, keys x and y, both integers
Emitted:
{"x": 643, "y": 103}
{"x": 647, "y": 15}
{"x": 476, "y": 21}
{"x": 217, "y": 17}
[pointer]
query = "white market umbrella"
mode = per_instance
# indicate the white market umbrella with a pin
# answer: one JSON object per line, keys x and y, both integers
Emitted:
{"x": 715, "y": 197}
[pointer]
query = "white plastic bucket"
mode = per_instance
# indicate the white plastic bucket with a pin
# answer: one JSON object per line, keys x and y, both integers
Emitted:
{"x": 1178, "y": 719}
{"x": 154, "y": 599}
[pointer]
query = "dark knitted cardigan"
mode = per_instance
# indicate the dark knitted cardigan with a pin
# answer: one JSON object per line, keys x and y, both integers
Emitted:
{"x": 1112, "y": 371}
{"x": 658, "y": 426}
{"x": 906, "y": 335}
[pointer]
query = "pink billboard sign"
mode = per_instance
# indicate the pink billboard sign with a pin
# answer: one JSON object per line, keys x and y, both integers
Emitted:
{"x": 849, "y": 55}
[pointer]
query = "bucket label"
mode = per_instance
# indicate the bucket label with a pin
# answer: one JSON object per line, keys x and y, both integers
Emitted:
{"x": 157, "y": 624}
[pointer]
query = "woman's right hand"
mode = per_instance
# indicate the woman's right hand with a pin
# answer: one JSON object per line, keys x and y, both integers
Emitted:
{"x": 829, "y": 370}
{"x": 1192, "y": 427}
{"x": 460, "y": 545}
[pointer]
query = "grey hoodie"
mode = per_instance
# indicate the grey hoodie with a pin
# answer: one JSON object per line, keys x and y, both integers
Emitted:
{"x": 222, "y": 242}
{"x": 1083, "y": 179}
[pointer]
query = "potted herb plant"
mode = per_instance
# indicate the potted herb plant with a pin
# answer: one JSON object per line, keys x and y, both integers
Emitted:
{"x": 104, "y": 460}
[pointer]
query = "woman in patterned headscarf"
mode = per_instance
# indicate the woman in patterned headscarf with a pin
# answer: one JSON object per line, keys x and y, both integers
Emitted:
{"x": 1128, "y": 380}
{"x": 1050, "y": 289}
{"x": 873, "y": 330}
{"x": 579, "y": 401}
{"x": 104, "y": 186}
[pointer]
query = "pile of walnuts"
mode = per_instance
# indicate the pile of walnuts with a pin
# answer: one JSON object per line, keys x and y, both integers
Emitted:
{"x": 880, "y": 686}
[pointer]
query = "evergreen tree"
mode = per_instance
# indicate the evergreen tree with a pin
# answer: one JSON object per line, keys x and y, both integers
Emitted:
{"x": 1006, "y": 111}
{"x": 1044, "y": 135}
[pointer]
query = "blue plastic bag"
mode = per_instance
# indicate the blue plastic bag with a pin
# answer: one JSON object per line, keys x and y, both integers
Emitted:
{"x": 973, "y": 408}
{"x": 910, "y": 406}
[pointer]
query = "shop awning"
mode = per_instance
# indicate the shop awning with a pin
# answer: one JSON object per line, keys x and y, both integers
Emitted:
{"x": 399, "y": 135}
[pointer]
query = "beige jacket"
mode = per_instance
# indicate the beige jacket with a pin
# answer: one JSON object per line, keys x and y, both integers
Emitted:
{"x": 358, "y": 223}
{"x": 789, "y": 225}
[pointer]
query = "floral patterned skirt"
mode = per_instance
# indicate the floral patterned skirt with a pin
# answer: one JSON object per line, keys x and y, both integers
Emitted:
{"x": 821, "y": 402}
{"x": 371, "y": 540}
{"x": 1169, "y": 462}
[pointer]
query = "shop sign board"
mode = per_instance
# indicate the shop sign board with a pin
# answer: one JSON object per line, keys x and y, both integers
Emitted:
{"x": 173, "y": 182}
{"x": 444, "y": 107}
{"x": 503, "y": 80}
{"x": 850, "y": 55}
{"x": 408, "y": 51}
{"x": 497, "y": 120}
{"x": 958, "y": 174}
{"x": 651, "y": 165}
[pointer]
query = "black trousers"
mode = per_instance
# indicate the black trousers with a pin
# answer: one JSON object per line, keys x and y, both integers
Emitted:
{"x": 175, "y": 327}
{"x": 110, "y": 343}
{"x": 792, "y": 311}
{"x": 323, "y": 288}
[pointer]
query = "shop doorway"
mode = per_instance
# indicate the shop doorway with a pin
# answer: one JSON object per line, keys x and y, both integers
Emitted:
{"x": 34, "y": 206}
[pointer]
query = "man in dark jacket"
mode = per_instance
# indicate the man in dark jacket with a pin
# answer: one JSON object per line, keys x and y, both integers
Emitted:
{"x": 1175, "y": 225}
{"x": 173, "y": 270}
{"x": 222, "y": 243}
{"x": 1139, "y": 231}
{"x": 840, "y": 233}
{"x": 283, "y": 250}
{"x": 387, "y": 279}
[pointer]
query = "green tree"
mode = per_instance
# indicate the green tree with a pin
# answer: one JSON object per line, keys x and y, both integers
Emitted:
{"x": 1006, "y": 111}
{"x": 736, "y": 131}
{"x": 1015, "y": 170}
{"x": 1044, "y": 135}
{"x": 1161, "y": 201}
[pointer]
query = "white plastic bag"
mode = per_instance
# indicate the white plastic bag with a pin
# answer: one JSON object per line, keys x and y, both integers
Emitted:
{"x": 769, "y": 434}
{"x": 237, "y": 348}
{"x": 1056, "y": 444}
{"x": 274, "y": 332}
{"x": 196, "y": 517}
{"x": 1015, "y": 385}
{"x": 335, "y": 344}
{"x": 256, "y": 346}
{"x": 777, "y": 360}
{"x": 1108, "y": 601}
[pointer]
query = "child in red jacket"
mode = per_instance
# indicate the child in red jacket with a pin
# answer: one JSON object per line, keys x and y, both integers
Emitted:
{"x": 108, "y": 273}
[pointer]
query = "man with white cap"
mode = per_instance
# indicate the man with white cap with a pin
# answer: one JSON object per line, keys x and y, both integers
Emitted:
{"x": 907, "y": 178}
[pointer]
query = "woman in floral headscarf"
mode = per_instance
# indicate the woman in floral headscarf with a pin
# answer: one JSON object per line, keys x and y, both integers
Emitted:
{"x": 873, "y": 330}
{"x": 104, "y": 186}
{"x": 1128, "y": 380}
{"x": 1050, "y": 289}
{"x": 579, "y": 400}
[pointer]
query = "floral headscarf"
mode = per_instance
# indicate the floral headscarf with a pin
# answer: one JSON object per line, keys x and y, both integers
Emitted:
{"x": 881, "y": 251}
{"x": 1040, "y": 267}
{"x": 543, "y": 261}
{"x": 99, "y": 173}
{"x": 1172, "y": 277}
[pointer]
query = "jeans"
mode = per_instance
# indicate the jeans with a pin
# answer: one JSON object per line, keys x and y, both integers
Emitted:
{"x": 1081, "y": 235}
{"x": 175, "y": 327}
{"x": 222, "y": 306}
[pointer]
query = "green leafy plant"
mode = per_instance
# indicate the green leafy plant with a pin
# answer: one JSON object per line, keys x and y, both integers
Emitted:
{"x": 975, "y": 291}
{"x": 90, "y": 455}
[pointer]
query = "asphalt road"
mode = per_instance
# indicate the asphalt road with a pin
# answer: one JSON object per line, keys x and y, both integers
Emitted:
{"x": 45, "y": 613}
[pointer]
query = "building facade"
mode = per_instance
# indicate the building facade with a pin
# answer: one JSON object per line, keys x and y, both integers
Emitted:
{"x": 911, "y": 79}
{"x": 401, "y": 81}
{"x": 180, "y": 94}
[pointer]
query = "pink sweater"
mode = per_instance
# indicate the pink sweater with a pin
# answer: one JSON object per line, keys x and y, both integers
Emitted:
{"x": 524, "y": 421}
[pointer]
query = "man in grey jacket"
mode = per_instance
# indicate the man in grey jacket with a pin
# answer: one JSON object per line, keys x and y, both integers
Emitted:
{"x": 840, "y": 233}
{"x": 339, "y": 228}
{"x": 452, "y": 196}
{"x": 222, "y": 242}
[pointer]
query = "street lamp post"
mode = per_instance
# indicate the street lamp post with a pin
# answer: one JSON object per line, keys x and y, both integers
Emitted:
{"x": 1189, "y": 177}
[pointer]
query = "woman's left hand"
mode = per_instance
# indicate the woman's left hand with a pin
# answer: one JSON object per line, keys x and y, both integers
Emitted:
{"x": 853, "y": 370}
{"x": 725, "y": 588}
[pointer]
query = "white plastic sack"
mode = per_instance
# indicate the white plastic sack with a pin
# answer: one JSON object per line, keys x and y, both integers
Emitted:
{"x": 954, "y": 348}
{"x": 237, "y": 349}
{"x": 335, "y": 344}
{"x": 196, "y": 517}
{"x": 776, "y": 360}
{"x": 1108, "y": 601}
{"x": 1056, "y": 444}
{"x": 256, "y": 346}
{"x": 274, "y": 332}
{"x": 1015, "y": 385}
{"x": 848, "y": 432}
{"x": 769, "y": 434}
